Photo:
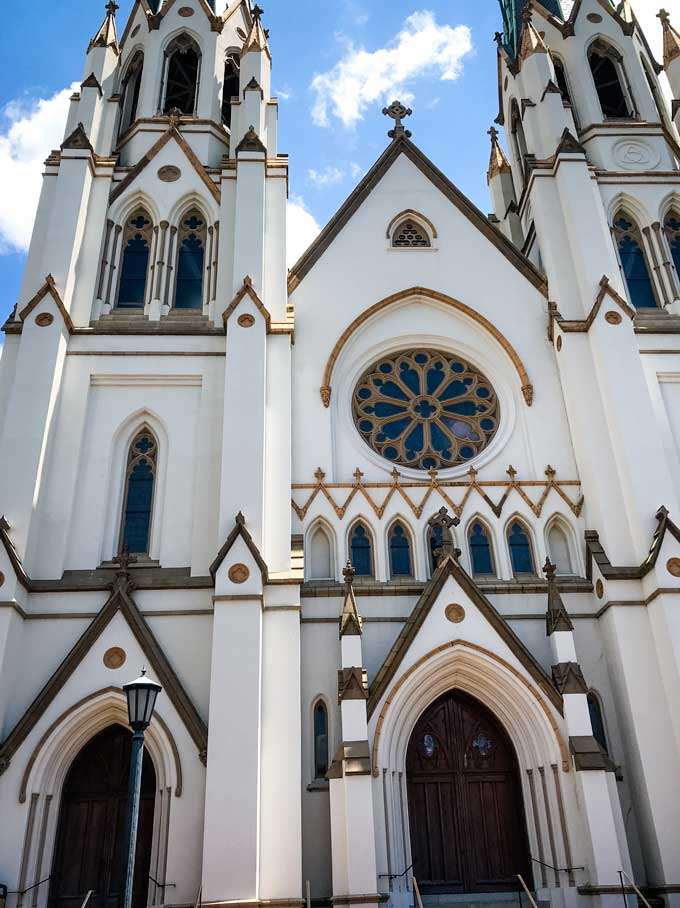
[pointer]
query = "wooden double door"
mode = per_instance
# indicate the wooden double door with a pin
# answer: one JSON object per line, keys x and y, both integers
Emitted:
{"x": 468, "y": 830}
{"x": 90, "y": 845}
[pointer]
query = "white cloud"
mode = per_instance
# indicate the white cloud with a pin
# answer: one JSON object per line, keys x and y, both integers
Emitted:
{"x": 302, "y": 229}
{"x": 29, "y": 130}
{"x": 361, "y": 77}
{"x": 329, "y": 176}
{"x": 356, "y": 170}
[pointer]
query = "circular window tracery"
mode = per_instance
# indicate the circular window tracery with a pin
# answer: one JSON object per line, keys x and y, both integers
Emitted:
{"x": 425, "y": 409}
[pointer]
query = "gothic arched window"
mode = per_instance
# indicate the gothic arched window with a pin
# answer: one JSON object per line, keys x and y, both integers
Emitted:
{"x": 634, "y": 262}
{"x": 558, "y": 549}
{"x": 481, "y": 553}
{"x": 140, "y": 479}
{"x": 519, "y": 141}
{"x": 134, "y": 266}
{"x": 320, "y": 740}
{"x": 182, "y": 68}
{"x": 361, "y": 550}
{"x": 401, "y": 561}
{"x": 671, "y": 226}
{"x": 131, "y": 87}
{"x": 563, "y": 83}
{"x": 606, "y": 65}
{"x": 521, "y": 554}
{"x": 231, "y": 86}
{"x": 409, "y": 234}
{"x": 190, "y": 261}
{"x": 597, "y": 720}
{"x": 320, "y": 557}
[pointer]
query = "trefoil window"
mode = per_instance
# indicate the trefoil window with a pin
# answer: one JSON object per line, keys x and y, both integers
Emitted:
{"x": 135, "y": 262}
{"x": 190, "y": 261}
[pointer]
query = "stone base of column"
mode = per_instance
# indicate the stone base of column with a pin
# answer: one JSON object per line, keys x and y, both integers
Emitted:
{"x": 154, "y": 312}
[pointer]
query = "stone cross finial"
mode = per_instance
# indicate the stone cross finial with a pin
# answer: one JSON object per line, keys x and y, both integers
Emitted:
{"x": 349, "y": 573}
{"x": 443, "y": 522}
{"x": 112, "y": 8}
{"x": 124, "y": 559}
{"x": 664, "y": 16}
{"x": 397, "y": 111}
{"x": 258, "y": 12}
{"x": 527, "y": 13}
{"x": 549, "y": 569}
{"x": 493, "y": 132}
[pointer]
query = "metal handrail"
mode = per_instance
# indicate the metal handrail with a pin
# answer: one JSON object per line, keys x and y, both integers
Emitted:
{"x": 416, "y": 889}
{"x": 644, "y": 901}
{"x": 526, "y": 889}
{"x": 556, "y": 869}
{"x": 87, "y": 898}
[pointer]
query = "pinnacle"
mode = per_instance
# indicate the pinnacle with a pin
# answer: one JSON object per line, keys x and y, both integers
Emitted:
{"x": 257, "y": 39}
{"x": 498, "y": 162}
{"x": 532, "y": 42}
{"x": 671, "y": 39}
{"x": 107, "y": 36}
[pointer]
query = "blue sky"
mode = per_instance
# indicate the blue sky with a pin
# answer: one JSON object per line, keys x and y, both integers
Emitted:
{"x": 317, "y": 49}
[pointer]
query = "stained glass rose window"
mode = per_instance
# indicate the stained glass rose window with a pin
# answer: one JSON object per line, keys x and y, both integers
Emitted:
{"x": 425, "y": 409}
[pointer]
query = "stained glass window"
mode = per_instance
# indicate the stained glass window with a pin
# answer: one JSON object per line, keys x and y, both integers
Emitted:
{"x": 135, "y": 263}
{"x": 190, "y": 261}
{"x": 605, "y": 65}
{"x": 139, "y": 486}
{"x": 182, "y": 65}
{"x": 425, "y": 409}
{"x": 361, "y": 551}
{"x": 521, "y": 555}
{"x": 672, "y": 230}
{"x": 480, "y": 550}
{"x": 320, "y": 740}
{"x": 634, "y": 262}
{"x": 400, "y": 552}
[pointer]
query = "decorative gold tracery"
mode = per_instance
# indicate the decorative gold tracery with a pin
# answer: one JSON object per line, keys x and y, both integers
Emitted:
{"x": 425, "y": 409}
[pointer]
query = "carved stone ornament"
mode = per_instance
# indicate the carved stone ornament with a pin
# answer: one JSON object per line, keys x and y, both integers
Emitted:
{"x": 635, "y": 155}
{"x": 246, "y": 320}
{"x": 455, "y": 613}
{"x": 613, "y": 318}
{"x": 599, "y": 589}
{"x": 352, "y": 684}
{"x": 673, "y": 567}
{"x": 238, "y": 573}
{"x": 569, "y": 679}
{"x": 326, "y": 396}
{"x": 185, "y": 12}
{"x": 44, "y": 320}
{"x": 115, "y": 658}
{"x": 169, "y": 174}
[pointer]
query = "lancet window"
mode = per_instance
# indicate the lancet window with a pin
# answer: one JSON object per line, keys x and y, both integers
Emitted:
{"x": 182, "y": 70}
{"x": 606, "y": 65}
{"x": 361, "y": 550}
{"x": 481, "y": 552}
{"x": 521, "y": 553}
{"x": 401, "y": 557}
{"x": 320, "y": 740}
{"x": 597, "y": 720}
{"x": 558, "y": 549}
{"x": 231, "y": 86}
{"x": 320, "y": 555}
{"x": 671, "y": 226}
{"x": 140, "y": 480}
{"x": 634, "y": 262}
{"x": 131, "y": 89}
{"x": 134, "y": 267}
{"x": 191, "y": 261}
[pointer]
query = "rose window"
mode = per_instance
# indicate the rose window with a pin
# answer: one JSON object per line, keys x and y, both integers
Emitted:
{"x": 425, "y": 409}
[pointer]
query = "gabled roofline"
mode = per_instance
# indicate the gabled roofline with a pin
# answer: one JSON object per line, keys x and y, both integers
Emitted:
{"x": 48, "y": 288}
{"x": 595, "y": 551}
{"x": 449, "y": 567}
{"x": 403, "y": 145}
{"x": 240, "y": 530}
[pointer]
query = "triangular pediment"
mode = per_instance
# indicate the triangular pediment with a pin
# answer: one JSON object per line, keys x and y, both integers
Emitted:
{"x": 402, "y": 146}
{"x": 452, "y": 605}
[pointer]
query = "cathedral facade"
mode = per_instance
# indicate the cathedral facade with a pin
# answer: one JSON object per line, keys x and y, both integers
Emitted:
{"x": 397, "y": 530}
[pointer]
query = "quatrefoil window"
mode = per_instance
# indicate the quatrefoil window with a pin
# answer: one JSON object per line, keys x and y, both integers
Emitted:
{"x": 425, "y": 409}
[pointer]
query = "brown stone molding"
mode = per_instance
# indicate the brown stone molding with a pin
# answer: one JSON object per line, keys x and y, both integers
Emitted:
{"x": 352, "y": 684}
{"x": 171, "y": 133}
{"x": 568, "y": 678}
{"x": 57, "y": 722}
{"x": 410, "y": 212}
{"x": 92, "y": 82}
{"x": 596, "y": 553}
{"x": 403, "y": 145}
{"x": 474, "y": 647}
{"x": 240, "y": 530}
{"x": 13, "y": 555}
{"x": 489, "y": 327}
{"x": 77, "y": 140}
{"x": 49, "y": 287}
{"x": 449, "y": 567}
{"x": 583, "y": 325}
{"x": 251, "y": 142}
{"x": 247, "y": 290}
{"x": 119, "y": 601}
{"x": 588, "y": 754}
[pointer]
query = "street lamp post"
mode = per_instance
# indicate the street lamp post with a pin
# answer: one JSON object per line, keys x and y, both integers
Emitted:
{"x": 141, "y": 700}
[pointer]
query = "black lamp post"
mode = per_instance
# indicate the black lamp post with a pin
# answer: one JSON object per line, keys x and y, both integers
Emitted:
{"x": 141, "y": 700}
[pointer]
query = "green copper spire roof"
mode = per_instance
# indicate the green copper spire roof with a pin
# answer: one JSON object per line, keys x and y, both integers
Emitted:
{"x": 512, "y": 20}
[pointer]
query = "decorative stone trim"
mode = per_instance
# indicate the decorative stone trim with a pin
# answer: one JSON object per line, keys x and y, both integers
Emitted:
{"x": 588, "y": 755}
{"x": 49, "y": 287}
{"x": 582, "y": 326}
{"x": 352, "y": 684}
{"x": 568, "y": 678}
{"x": 251, "y": 142}
{"x": 239, "y": 530}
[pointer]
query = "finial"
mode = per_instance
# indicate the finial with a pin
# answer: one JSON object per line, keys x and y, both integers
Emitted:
{"x": 124, "y": 559}
{"x": 443, "y": 522}
{"x": 664, "y": 16}
{"x": 498, "y": 38}
{"x": 397, "y": 111}
{"x": 671, "y": 39}
{"x": 556, "y": 617}
{"x": 112, "y": 8}
{"x": 349, "y": 573}
{"x": 493, "y": 132}
{"x": 258, "y": 12}
{"x": 527, "y": 13}
{"x": 549, "y": 569}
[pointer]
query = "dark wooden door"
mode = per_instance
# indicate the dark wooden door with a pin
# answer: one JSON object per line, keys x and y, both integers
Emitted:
{"x": 468, "y": 831}
{"x": 92, "y": 824}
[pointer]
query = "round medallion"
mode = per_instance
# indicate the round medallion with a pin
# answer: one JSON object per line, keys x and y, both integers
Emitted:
{"x": 559, "y": 343}
{"x": 455, "y": 613}
{"x": 673, "y": 567}
{"x": 185, "y": 12}
{"x": 238, "y": 573}
{"x": 2, "y": 578}
{"x": 425, "y": 409}
{"x": 634, "y": 154}
{"x": 44, "y": 319}
{"x": 169, "y": 174}
{"x": 613, "y": 318}
{"x": 599, "y": 589}
{"x": 596, "y": 18}
{"x": 246, "y": 320}
{"x": 114, "y": 658}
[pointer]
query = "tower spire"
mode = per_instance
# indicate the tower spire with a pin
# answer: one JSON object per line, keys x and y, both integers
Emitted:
{"x": 531, "y": 41}
{"x": 257, "y": 39}
{"x": 107, "y": 36}
{"x": 498, "y": 162}
{"x": 671, "y": 39}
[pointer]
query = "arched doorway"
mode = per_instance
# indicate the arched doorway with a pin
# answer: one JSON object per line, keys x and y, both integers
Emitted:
{"x": 92, "y": 824}
{"x": 468, "y": 831}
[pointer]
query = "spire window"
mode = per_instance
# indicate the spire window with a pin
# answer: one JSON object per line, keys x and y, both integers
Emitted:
{"x": 481, "y": 553}
{"x": 671, "y": 228}
{"x": 190, "y": 261}
{"x": 320, "y": 740}
{"x": 401, "y": 560}
{"x": 139, "y": 487}
{"x": 135, "y": 263}
{"x": 131, "y": 89}
{"x": 634, "y": 262}
{"x": 521, "y": 554}
{"x": 361, "y": 551}
{"x": 231, "y": 87}
{"x": 182, "y": 68}
{"x": 606, "y": 65}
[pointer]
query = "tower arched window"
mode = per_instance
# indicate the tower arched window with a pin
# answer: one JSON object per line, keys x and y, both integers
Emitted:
{"x": 140, "y": 479}
{"x": 606, "y": 65}
{"x": 190, "y": 261}
{"x": 134, "y": 267}
{"x": 558, "y": 549}
{"x": 361, "y": 550}
{"x": 597, "y": 720}
{"x": 231, "y": 86}
{"x": 521, "y": 553}
{"x": 563, "y": 84}
{"x": 320, "y": 740}
{"x": 401, "y": 557}
{"x": 519, "y": 141}
{"x": 671, "y": 226}
{"x": 320, "y": 555}
{"x": 481, "y": 552}
{"x": 182, "y": 72}
{"x": 634, "y": 262}
{"x": 131, "y": 89}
